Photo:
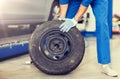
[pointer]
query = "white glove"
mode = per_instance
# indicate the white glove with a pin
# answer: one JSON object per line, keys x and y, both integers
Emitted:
{"x": 68, "y": 24}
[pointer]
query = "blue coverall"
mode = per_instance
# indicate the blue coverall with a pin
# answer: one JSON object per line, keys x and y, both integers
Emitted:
{"x": 100, "y": 11}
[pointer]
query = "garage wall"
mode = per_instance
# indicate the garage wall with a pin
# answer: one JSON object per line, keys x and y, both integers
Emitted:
{"x": 116, "y": 7}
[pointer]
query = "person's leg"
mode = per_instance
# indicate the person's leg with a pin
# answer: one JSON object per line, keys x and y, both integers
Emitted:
{"x": 102, "y": 31}
{"x": 100, "y": 10}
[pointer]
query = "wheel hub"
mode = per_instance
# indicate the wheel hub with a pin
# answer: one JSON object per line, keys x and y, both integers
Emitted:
{"x": 56, "y": 45}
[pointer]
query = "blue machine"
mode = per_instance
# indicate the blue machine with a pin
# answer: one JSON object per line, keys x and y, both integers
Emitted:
{"x": 13, "y": 50}
{"x": 13, "y": 46}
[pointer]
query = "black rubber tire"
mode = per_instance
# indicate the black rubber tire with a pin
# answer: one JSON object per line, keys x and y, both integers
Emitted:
{"x": 64, "y": 65}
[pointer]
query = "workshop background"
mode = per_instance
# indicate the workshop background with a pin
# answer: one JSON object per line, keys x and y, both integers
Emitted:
{"x": 16, "y": 30}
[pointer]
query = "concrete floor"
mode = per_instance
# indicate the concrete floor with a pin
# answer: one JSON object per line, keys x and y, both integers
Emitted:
{"x": 16, "y": 68}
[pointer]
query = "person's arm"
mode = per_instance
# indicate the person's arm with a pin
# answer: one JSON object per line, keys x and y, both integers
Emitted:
{"x": 69, "y": 23}
{"x": 82, "y": 9}
{"x": 63, "y": 10}
{"x": 80, "y": 13}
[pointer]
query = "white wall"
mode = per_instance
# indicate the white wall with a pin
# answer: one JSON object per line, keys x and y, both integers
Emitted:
{"x": 116, "y": 7}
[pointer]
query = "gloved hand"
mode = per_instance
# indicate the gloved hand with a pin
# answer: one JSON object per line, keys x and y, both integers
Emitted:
{"x": 68, "y": 24}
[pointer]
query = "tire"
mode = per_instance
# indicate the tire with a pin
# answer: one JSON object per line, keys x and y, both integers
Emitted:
{"x": 55, "y": 52}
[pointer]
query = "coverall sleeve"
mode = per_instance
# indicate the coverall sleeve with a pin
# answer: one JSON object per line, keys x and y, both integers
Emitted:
{"x": 86, "y": 2}
{"x": 64, "y": 1}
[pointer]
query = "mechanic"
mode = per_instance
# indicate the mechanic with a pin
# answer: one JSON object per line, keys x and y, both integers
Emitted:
{"x": 72, "y": 11}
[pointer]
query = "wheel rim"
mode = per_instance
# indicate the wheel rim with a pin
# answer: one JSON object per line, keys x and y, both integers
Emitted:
{"x": 55, "y": 45}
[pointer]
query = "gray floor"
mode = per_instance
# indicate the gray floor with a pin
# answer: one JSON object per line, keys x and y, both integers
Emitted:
{"x": 16, "y": 68}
